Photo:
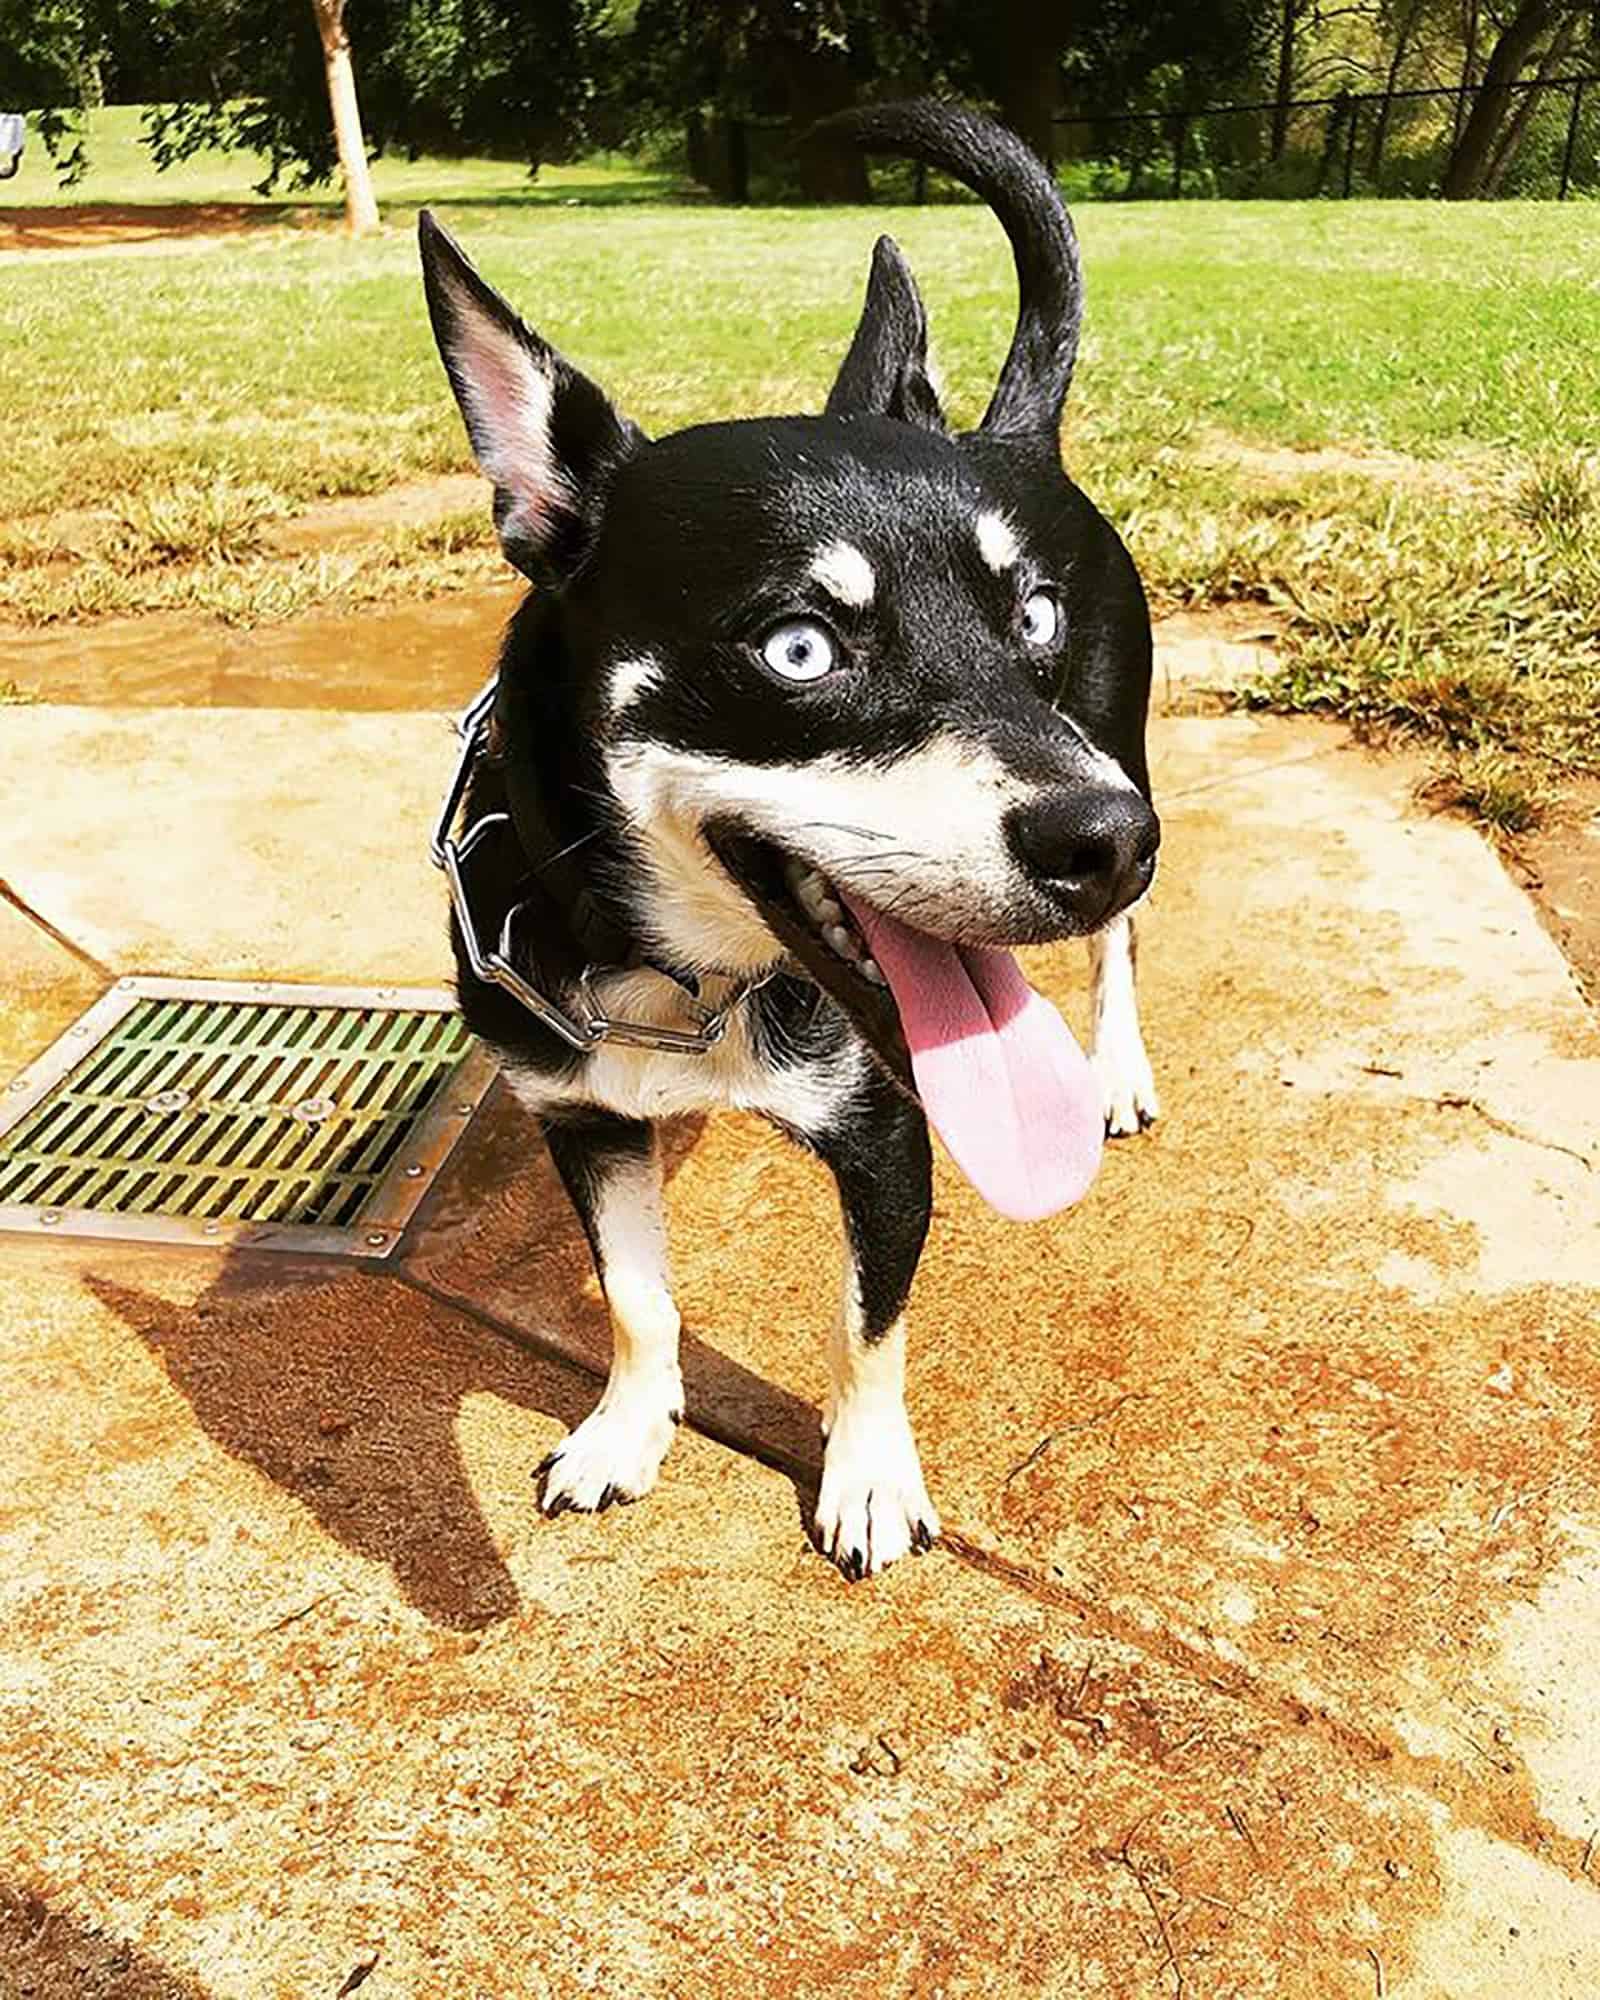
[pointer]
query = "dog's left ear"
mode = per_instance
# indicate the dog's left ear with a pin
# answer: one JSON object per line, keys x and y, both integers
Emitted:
{"x": 546, "y": 436}
{"x": 885, "y": 374}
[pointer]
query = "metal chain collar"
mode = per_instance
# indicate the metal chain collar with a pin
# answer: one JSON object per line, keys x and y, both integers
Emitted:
{"x": 494, "y": 963}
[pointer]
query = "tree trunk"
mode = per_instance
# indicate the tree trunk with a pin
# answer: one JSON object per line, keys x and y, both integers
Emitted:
{"x": 1527, "y": 103}
{"x": 1016, "y": 54}
{"x": 727, "y": 159}
{"x": 1470, "y": 157}
{"x": 1468, "y": 67}
{"x": 1402, "y": 42}
{"x": 1280, "y": 106}
{"x": 697, "y": 149}
{"x": 360, "y": 207}
{"x": 1030, "y": 77}
{"x": 817, "y": 83}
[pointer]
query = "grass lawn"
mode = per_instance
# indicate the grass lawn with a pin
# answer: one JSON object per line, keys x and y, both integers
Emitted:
{"x": 1434, "y": 560}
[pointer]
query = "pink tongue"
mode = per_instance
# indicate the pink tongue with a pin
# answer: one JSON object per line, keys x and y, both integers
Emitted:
{"x": 1001, "y": 1078}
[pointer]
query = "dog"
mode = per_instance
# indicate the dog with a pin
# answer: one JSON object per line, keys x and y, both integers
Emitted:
{"x": 806, "y": 722}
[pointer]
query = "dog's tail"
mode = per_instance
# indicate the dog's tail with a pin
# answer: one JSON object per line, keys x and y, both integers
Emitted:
{"x": 999, "y": 168}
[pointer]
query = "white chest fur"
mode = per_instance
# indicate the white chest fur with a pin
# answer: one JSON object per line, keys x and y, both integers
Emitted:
{"x": 651, "y": 1084}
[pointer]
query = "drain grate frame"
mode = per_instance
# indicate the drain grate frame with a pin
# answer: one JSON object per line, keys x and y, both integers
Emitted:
{"x": 261, "y": 1115}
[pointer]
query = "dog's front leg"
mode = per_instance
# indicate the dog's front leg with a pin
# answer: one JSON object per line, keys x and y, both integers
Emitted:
{"x": 611, "y": 1170}
{"x": 873, "y": 1505}
{"x": 1127, "y": 1087}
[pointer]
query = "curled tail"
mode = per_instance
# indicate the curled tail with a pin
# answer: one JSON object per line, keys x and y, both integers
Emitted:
{"x": 1001, "y": 170}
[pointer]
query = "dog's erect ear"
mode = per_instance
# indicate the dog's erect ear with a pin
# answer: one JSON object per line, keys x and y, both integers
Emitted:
{"x": 541, "y": 431}
{"x": 885, "y": 374}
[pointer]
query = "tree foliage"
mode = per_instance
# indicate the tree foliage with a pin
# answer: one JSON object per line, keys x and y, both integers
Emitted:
{"x": 738, "y": 82}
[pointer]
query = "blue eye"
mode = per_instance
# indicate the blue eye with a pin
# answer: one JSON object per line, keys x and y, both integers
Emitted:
{"x": 1041, "y": 618}
{"x": 799, "y": 650}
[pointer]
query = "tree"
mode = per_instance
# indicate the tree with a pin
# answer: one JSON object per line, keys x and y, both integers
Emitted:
{"x": 360, "y": 204}
{"x": 1015, "y": 49}
{"x": 1525, "y": 27}
{"x": 1280, "y": 105}
{"x": 1405, "y": 26}
{"x": 1510, "y": 141}
{"x": 512, "y": 76}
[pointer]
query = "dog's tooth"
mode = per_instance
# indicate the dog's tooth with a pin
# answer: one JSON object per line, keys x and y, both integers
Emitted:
{"x": 816, "y": 902}
{"x": 840, "y": 940}
{"x": 868, "y": 969}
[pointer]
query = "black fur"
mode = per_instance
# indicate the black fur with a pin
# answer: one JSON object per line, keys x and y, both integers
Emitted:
{"x": 995, "y": 164}
{"x": 686, "y": 551}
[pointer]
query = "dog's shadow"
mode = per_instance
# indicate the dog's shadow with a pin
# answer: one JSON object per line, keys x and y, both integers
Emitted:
{"x": 344, "y": 1388}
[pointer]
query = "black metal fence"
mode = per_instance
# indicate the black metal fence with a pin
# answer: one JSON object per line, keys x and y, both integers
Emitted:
{"x": 1372, "y": 142}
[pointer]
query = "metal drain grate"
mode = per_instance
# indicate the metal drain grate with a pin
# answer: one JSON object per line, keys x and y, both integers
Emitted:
{"x": 282, "y": 1117}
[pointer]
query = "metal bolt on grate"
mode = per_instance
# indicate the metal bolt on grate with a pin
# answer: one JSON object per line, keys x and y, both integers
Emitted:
{"x": 277, "y": 1116}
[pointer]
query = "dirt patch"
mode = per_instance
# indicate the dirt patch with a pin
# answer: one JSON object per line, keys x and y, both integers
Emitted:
{"x": 1388, "y": 468}
{"x": 332, "y": 524}
{"x": 100, "y": 225}
{"x": 1202, "y": 657}
{"x": 1559, "y": 866}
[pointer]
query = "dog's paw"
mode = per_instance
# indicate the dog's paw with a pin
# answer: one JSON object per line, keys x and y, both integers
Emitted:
{"x": 1127, "y": 1086}
{"x": 613, "y": 1456}
{"x": 873, "y": 1507}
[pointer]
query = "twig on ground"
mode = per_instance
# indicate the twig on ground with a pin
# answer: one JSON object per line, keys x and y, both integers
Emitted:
{"x": 1241, "y": 1826}
{"x": 1454, "y": 1101}
{"x": 1377, "y": 1968}
{"x": 358, "y": 1974}
{"x": 294, "y": 1617}
{"x": 1123, "y": 1856}
{"x": 1066, "y": 1430}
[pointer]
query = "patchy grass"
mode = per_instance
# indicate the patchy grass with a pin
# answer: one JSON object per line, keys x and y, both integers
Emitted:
{"x": 1559, "y": 491}
{"x": 208, "y": 521}
{"x": 1496, "y": 790}
{"x": 192, "y": 392}
{"x": 1465, "y": 626}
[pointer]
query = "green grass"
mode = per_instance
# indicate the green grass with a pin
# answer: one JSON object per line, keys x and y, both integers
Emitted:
{"x": 192, "y": 391}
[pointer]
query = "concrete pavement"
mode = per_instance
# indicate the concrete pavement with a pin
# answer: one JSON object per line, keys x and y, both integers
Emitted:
{"x": 1258, "y": 1659}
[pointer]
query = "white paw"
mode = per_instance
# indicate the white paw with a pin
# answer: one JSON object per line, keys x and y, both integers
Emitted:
{"x": 873, "y": 1507}
{"x": 1127, "y": 1087}
{"x": 615, "y": 1453}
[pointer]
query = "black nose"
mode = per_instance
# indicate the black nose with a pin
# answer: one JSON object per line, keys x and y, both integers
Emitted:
{"x": 1092, "y": 847}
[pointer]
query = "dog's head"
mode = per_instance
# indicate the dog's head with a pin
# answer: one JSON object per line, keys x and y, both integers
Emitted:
{"x": 861, "y": 687}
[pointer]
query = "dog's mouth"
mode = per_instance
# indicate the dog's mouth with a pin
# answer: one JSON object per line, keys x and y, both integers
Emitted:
{"x": 807, "y": 915}
{"x": 996, "y": 1068}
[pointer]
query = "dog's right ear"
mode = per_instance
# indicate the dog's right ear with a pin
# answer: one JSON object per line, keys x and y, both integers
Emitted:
{"x": 885, "y": 374}
{"x": 543, "y": 433}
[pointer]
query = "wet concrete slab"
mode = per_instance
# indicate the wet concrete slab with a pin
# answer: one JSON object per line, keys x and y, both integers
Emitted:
{"x": 434, "y": 653}
{"x": 431, "y": 654}
{"x": 1258, "y": 1658}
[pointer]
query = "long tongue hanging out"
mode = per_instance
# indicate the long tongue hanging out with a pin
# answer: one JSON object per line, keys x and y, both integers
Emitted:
{"x": 1001, "y": 1078}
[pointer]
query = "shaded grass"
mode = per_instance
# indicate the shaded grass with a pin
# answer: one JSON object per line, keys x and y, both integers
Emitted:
{"x": 121, "y": 172}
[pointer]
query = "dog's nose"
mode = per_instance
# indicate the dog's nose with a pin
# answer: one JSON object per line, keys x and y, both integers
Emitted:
{"x": 1092, "y": 847}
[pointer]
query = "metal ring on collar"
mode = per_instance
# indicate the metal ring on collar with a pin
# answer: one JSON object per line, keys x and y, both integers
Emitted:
{"x": 494, "y": 963}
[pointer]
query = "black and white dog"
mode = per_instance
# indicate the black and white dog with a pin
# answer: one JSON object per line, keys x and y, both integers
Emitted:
{"x": 806, "y": 721}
